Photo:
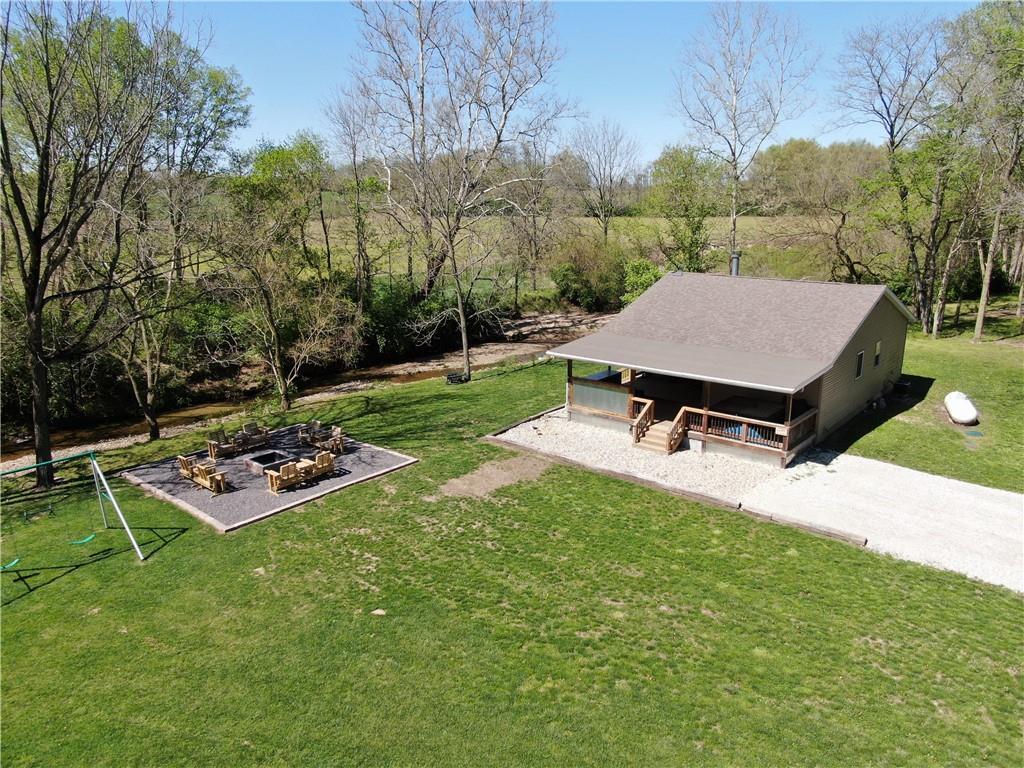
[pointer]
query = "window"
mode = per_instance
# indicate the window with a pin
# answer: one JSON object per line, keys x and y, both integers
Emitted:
{"x": 878, "y": 353}
{"x": 860, "y": 365}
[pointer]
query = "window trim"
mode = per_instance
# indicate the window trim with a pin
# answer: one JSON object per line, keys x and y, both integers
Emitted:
{"x": 878, "y": 353}
{"x": 860, "y": 366}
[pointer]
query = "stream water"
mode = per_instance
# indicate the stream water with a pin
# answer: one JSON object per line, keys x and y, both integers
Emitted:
{"x": 489, "y": 355}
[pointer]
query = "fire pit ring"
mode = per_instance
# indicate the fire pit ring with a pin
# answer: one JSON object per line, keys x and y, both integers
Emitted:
{"x": 261, "y": 462}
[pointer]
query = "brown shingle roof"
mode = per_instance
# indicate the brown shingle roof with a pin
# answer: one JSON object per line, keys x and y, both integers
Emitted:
{"x": 772, "y": 334}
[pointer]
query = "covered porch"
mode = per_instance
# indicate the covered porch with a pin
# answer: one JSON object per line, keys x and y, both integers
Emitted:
{"x": 667, "y": 413}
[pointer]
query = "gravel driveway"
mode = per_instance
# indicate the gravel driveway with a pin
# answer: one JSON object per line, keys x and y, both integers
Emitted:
{"x": 949, "y": 524}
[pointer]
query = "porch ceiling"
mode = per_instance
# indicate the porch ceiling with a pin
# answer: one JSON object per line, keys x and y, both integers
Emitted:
{"x": 723, "y": 366}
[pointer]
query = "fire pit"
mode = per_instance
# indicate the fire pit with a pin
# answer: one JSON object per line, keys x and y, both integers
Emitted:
{"x": 261, "y": 462}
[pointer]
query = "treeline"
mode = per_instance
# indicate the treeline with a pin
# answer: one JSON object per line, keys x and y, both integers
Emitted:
{"x": 147, "y": 265}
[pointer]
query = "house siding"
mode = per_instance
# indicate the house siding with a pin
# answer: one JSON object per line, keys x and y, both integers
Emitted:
{"x": 843, "y": 396}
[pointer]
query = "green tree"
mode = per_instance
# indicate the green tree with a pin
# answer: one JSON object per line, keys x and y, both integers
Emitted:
{"x": 292, "y": 319}
{"x": 81, "y": 92}
{"x": 205, "y": 105}
{"x": 684, "y": 185}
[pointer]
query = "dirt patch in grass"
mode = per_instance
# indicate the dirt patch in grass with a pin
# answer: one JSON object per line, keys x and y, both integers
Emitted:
{"x": 493, "y": 475}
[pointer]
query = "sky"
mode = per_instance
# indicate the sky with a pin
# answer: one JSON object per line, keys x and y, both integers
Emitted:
{"x": 618, "y": 62}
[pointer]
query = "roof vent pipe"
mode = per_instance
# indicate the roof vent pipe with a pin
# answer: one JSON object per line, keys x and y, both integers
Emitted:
{"x": 734, "y": 263}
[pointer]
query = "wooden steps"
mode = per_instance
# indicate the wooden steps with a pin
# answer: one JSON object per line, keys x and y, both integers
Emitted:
{"x": 656, "y": 437}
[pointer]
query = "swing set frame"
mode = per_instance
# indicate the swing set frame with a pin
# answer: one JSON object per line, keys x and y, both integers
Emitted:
{"x": 102, "y": 491}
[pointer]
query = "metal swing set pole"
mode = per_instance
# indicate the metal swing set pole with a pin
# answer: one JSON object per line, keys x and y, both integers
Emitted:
{"x": 98, "y": 479}
{"x": 97, "y": 472}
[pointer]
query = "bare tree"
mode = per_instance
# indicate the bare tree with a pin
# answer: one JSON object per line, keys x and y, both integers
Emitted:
{"x": 205, "y": 105}
{"x": 80, "y": 95}
{"x": 986, "y": 42}
{"x": 738, "y": 81}
{"x": 608, "y": 158}
{"x": 350, "y": 114}
{"x": 538, "y": 218}
{"x": 888, "y": 76}
{"x": 403, "y": 80}
{"x": 452, "y": 87}
{"x": 292, "y": 321}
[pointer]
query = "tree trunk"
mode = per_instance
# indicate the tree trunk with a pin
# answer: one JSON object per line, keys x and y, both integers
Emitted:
{"x": 934, "y": 241}
{"x": 464, "y": 332}
{"x": 733, "y": 211}
{"x": 959, "y": 305}
{"x": 277, "y": 363}
{"x": 41, "y": 416}
{"x": 940, "y": 306}
{"x": 515, "y": 294}
{"x": 178, "y": 259}
{"x": 909, "y": 239}
{"x": 986, "y": 279}
{"x": 327, "y": 236}
{"x": 149, "y": 412}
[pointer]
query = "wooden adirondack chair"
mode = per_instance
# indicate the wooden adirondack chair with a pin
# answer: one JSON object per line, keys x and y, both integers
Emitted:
{"x": 257, "y": 435}
{"x": 217, "y": 444}
{"x": 280, "y": 479}
{"x": 308, "y": 432}
{"x": 186, "y": 466}
{"x": 333, "y": 441}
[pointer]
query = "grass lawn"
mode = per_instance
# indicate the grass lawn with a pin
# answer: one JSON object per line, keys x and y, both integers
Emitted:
{"x": 992, "y": 374}
{"x": 570, "y": 620}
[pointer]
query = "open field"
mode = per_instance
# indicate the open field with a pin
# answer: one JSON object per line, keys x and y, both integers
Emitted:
{"x": 566, "y": 619}
{"x": 770, "y": 247}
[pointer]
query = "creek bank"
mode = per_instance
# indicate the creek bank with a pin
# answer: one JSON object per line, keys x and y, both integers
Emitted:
{"x": 529, "y": 337}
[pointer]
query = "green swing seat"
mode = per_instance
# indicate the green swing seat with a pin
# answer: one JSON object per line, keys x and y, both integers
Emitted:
{"x": 11, "y": 564}
{"x": 86, "y": 540}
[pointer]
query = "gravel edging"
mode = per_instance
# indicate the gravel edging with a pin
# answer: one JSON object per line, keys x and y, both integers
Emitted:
{"x": 716, "y": 500}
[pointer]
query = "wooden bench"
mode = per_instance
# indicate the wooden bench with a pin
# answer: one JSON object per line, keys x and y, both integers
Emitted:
{"x": 252, "y": 436}
{"x": 333, "y": 441}
{"x": 285, "y": 477}
{"x": 217, "y": 445}
{"x": 203, "y": 473}
{"x": 322, "y": 465}
{"x": 307, "y": 432}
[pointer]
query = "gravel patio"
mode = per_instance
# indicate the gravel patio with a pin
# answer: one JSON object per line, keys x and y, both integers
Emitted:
{"x": 247, "y": 499}
{"x": 949, "y": 524}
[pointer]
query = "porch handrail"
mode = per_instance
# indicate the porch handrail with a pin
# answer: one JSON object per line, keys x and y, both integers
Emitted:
{"x": 677, "y": 430}
{"x": 802, "y": 418}
{"x": 644, "y": 419}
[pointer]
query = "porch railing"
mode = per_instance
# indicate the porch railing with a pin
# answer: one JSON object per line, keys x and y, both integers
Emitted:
{"x": 641, "y": 411}
{"x": 770, "y": 435}
{"x": 740, "y": 429}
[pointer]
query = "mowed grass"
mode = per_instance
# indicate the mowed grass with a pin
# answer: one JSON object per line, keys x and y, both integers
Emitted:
{"x": 991, "y": 372}
{"x": 570, "y": 620}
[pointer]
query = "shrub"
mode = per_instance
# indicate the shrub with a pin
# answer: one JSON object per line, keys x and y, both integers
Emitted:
{"x": 591, "y": 275}
{"x": 641, "y": 274}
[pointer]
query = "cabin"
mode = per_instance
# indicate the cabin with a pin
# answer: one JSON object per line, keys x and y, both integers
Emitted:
{"x": 712, "y": 362}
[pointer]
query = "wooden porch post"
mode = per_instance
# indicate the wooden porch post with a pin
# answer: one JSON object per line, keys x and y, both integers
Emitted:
{"x": 789, "y": 418}
{"x": 706, "y": 397}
